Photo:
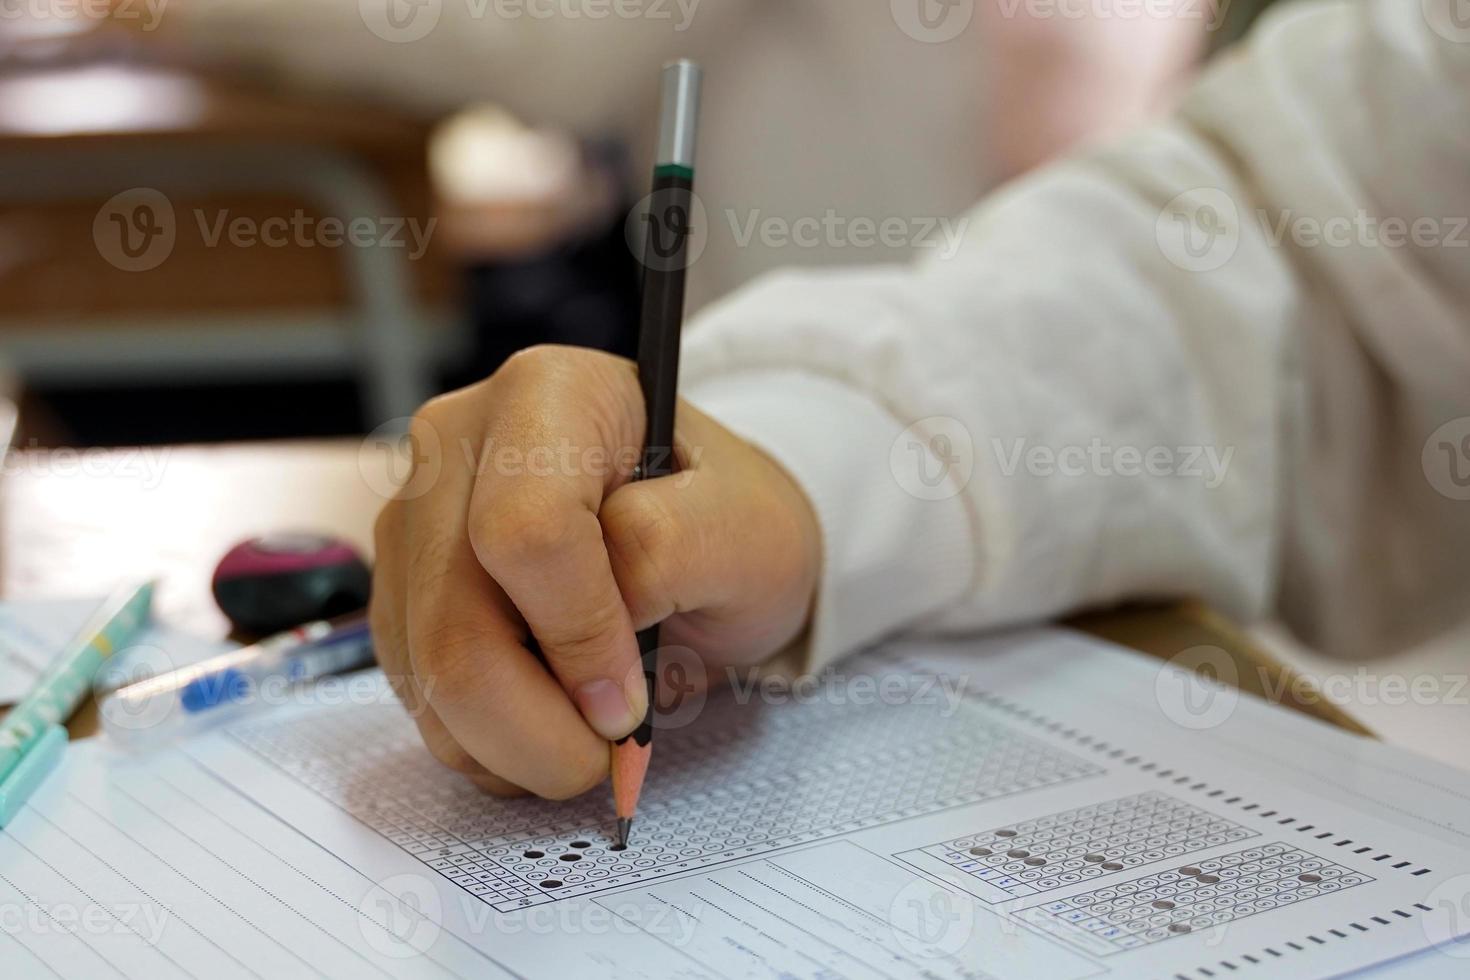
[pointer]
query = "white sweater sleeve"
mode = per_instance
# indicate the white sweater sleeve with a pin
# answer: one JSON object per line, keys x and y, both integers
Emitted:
{"x": 1141, "y": 375}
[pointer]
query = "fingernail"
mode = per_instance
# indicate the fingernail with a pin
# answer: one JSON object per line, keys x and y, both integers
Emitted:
{"x": 609, "y": 709}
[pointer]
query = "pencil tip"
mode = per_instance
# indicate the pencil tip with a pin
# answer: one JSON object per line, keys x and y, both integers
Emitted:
{"x": 625, "y": 827}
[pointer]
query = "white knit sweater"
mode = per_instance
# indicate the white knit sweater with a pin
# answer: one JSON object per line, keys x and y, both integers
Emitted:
{"x": 1228, "y": 357}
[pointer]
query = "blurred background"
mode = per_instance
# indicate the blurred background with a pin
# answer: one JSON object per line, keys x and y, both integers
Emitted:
{"x": 250, "y": 219}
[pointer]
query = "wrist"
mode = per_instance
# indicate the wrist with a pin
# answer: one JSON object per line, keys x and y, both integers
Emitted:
{"x": 835, "y": 446}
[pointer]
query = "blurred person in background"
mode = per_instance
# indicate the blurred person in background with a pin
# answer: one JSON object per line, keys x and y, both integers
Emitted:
{"x": 819, "y": 112}
{"x": 840, "y": 134}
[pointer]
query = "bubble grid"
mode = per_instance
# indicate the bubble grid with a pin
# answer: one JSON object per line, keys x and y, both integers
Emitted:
{"x": 746, "y": 779}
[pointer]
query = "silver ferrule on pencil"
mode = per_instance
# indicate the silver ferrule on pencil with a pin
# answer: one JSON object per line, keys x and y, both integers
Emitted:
{"x": 678, "y": 118}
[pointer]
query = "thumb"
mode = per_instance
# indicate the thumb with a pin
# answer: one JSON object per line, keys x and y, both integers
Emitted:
{"x": 725, "y": 552}
{"x": 661, "y": 536}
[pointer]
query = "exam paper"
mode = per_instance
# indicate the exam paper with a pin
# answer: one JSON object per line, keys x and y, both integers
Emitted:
{"x": 31, "y": 635}
{"x": 1038, "y": 805}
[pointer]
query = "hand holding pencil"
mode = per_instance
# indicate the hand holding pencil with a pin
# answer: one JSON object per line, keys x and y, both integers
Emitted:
{"x": 485, "y": 555}
{"x": 522, "y": 520}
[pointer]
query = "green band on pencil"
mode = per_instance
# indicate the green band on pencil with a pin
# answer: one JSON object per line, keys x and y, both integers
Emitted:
{"x": 674, "y": 170}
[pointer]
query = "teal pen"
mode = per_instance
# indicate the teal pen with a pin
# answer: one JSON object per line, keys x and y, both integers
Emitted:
{"x": 31, "y": 734}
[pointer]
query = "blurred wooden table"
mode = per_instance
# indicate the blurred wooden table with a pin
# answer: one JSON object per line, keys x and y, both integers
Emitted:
{"x": 75, "y": 523}
{"x": 72, "y": 114}
{"x": 160, "y": 222}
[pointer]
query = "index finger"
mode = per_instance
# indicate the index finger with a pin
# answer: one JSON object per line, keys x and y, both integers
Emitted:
{"x": 465, "y": 643}
{"x": 546, "y": 468}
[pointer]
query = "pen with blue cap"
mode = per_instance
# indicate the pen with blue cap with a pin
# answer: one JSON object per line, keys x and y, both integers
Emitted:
{"x": 200, "y": 696}
{"x": 32, "y": 735}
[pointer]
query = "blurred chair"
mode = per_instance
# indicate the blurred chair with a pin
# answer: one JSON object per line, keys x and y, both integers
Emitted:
{"x": 96, "y": 151}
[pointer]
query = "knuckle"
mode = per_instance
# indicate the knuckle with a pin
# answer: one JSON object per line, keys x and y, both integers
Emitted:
{"x": 444, "y": 421}
{"x": 603, "y": 383}
{"x": 454, "y": 662}
{"x": 433, "y": 415}
{"x": 639, "y": 526}
{"x": 520, "y": 529}
{"x": 573, "y": 646}
{"x": 535, "y": 362}
{"x": 641, "y": 536}
{"x": 445, "y": 649}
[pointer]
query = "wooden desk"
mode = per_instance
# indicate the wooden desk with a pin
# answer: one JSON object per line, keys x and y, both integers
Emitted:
{"x": 159, "y": 223}
{"x": 75, "y": 524}
{"x": 73, "y": 115}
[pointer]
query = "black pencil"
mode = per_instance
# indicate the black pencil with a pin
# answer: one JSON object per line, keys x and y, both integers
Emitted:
{"x": 665, "y": 257}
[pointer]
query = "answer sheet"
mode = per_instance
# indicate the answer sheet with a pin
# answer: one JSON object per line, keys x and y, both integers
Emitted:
{"x": 1037, "y": 805}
